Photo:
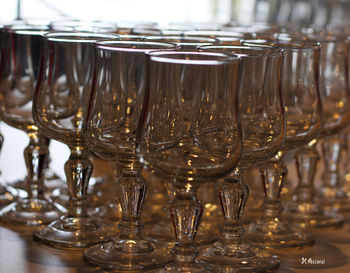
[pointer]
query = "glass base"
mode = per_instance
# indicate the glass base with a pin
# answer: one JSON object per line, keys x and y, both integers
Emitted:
{"x": 31, "y": 212}
{"x": 125, "y": 256}
{"x": 71, "y": 233}
{"x": 181, "y": 268}
{"x": 277, "y": 233}
{"x": 310, "y": 215}
{"x": 248, "y": 260}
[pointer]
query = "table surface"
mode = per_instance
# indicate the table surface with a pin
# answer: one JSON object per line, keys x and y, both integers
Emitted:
{"x": 20, "y": 253}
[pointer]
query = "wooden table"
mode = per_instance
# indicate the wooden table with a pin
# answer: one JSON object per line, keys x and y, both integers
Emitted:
{"x": 20, "y": 253}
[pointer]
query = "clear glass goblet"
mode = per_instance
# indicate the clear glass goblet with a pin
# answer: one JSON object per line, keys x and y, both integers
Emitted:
{"x": 52, "y": 182}
{"x": 189, "y": 133}
{"x": 59, "y": 108}
{"x": 335, "y": 94}
{"x": 20, "y": 63}
{"x": 120, "y": 83}
{"x": 162, "y": 230}
{"x": 263, "y": 130}
{"x": 303, "y": 122}
{"x": 304, "y": 116}
{"x": 308, "y": 210}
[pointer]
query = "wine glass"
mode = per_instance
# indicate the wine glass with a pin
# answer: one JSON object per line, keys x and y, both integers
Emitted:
{"x": 335, "y": 94}
{"x": 303, "y": 122}
{"x": 162, "y": 230}
{"x": 263, "y": 130}
{"x": 120, "y": 84}
{"x": 189, "y": 133}
{"x": 20, "y": 63}
{"x": 59, "y": 109}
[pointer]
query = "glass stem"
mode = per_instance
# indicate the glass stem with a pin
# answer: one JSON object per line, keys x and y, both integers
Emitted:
{"x": 78, "y": 170}
{"x": 306, "y": 162}
{"x": 35, "y": 156}
{"x": 233, "y": 193}
{"x": 331, "y": 150}
{"x": 131, "y": 190}
{"x": 186, "y": 212}
{"x": 273, "y": 176}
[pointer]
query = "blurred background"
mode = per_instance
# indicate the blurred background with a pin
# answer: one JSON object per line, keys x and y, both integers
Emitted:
{"x": 303, "y": 12}
{"x": 315, "y": 13}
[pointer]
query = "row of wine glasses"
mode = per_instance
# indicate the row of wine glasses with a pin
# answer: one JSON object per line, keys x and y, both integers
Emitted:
{"x": 188, "y": 111}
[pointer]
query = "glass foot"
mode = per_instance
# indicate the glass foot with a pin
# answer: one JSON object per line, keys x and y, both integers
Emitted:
{"x": 310, "y": 215}
{"x": 277, "y": 233}
{"x": 127, "y": 255}
{"x": 31, "y": 212}
{"x": 181, "y": 268}
{"x": 71, "y": 232}
{"x": 243, "y": 260}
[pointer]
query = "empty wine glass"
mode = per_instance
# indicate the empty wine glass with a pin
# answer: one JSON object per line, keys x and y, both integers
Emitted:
{"x": 190, "y": 133}
{"x": 59, "y": 109}
{"x": 21, "y": 56}
{"x": 120, "y": 84}
{"x": 303, "y": 122}
{"x": 263, "y": 130}
{"x": 335, "y": 93}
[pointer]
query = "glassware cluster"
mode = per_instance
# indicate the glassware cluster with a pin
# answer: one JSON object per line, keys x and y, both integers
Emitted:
{"x": 184, "y": 111}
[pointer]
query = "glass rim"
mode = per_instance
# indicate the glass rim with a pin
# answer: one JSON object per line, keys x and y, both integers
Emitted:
{"x": 28, "y": 27}
{"x": 74, "y": 37}
{"x": 165, "y": 57}
{"x": 260, "y": 51}
{"x": 282, "y": 43}
{"x": 193, "y": 39}
{"x": 117, "y": 45}
{"x": 30, "y": 32}
{"x": 214, "y": 33}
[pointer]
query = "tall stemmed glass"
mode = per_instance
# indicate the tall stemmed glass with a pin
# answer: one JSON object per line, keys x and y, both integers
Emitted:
{"x": 189, "y": 134}
{"x": 59, "y": 109}
{"x": 18, "y": 76}
{"x": 163, "y": 229}
{"x": 303, "y": 122}
{"x": 263, "y": 130}
{"x": 305, "y": 212}
{"x": 120, "y": 83}
{"x": 335, "y": 92}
